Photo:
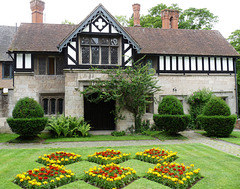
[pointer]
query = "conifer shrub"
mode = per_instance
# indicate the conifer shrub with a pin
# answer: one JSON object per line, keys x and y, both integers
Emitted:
{"x": 216, "y": 119}
{"x": 28, "y": 118}
{"x": 170, "y": 117}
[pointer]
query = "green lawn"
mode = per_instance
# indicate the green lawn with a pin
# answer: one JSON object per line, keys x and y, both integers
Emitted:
{"x": 151, "y": 135}
{"x": 233, "y": 138}
{"x": 220, "y": 170}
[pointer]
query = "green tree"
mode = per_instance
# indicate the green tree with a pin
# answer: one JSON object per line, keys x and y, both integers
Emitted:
{"x": 132, "y": 88}
{"x": 67, "y": 22}
{"x": 123, "y": 20}
{"x": 234, "y": 40}
{"x": 190, "y": 18}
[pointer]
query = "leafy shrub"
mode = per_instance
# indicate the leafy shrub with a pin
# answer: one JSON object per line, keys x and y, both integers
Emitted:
{"x": 27, "y": 108}
{"x": 171, "y": 123}
{"x": 27, "y": 127}
{"x": 216, "y": 106}
{"x": 170, "y": 105}
{"x": 118, "y": 133}
{"x": 28, "y": 120}
{"x": 68, "y": 126}
{"x": 219, "y": 126}
{"x": 171, "y": 117}
{"x": 196, "y": 102}
{"x": 217, "y": 119}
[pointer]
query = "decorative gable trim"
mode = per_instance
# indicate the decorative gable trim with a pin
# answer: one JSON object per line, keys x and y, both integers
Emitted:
{"x": 100, "y": 12}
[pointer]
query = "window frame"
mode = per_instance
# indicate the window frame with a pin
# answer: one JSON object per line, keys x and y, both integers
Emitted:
{"x": 10, "y": 69}
{"x": 46, "y": 72}
{"x": 52, "y": 96}
{"x": 100, "y": 46}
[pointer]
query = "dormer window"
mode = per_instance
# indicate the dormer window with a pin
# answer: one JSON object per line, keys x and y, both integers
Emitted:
{"x": 100, "y": 50}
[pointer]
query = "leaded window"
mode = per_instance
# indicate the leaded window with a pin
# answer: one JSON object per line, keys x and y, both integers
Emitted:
{"x": 7, "y": 71}
{"x": 99, "y": 50}
{"x": 52, "y": 104}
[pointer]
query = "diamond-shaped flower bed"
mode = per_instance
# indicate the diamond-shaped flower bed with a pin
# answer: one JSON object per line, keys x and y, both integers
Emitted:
{"x": 110, "y": 176}
{"x": 46, "y": 177}
{"x": 156, "y": 155}
{"x": 61, "y": 158}
{"x": 174, "y": 175}
{"x": 108, "y": 156}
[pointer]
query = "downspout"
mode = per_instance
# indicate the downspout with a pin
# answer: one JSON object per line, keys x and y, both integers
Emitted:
{"x": 236, "y": 88}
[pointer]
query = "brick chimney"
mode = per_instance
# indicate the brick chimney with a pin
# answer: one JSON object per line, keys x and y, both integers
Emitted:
{"x": 37, "y": 7}
{"x": 169, "y": 19}
{"x": 136, "y": 14}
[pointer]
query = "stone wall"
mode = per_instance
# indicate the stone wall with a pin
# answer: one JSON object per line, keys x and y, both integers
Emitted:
{"x": 30, "y": 85}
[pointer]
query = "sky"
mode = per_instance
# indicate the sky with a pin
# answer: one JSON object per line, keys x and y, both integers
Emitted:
{"x": 14, "y": 12}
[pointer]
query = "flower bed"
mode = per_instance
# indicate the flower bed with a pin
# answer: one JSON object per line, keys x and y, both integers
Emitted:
{"x": 174, "y": 175}
{"x": 61, "y": 158}
{"x": 110, "y": 176}
{"x": 156, "y": 155}
{"x": 45, "y": 177}
{"x": 108, "y": 156}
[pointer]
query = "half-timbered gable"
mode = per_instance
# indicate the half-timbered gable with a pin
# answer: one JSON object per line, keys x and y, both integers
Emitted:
{"x": 99, "y": 40}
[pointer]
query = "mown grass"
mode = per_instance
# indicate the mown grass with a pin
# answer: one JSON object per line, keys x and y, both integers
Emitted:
{"x": 150, "y": 135}
{"x": 220, "y": 170}
{"x": 233, "y": 138}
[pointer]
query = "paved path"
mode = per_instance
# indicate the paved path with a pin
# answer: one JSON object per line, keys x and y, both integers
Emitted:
{"x": 191, "y": 135}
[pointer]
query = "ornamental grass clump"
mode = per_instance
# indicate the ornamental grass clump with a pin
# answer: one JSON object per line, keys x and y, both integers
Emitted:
{"x": 48, "y": 177}
{"x": 110, "y": 176}
{"x": 170, "y": 117}
{"x": 156, "y": 155}
{"x": 108, "y": 156}
{"x": 174, "y": 175}
{"x": 60, "y": 158}
{"x": 216, "y": 118}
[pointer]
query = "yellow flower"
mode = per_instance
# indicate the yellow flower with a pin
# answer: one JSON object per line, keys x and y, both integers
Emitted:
{"x": 57, "y": 178}
{"x": 192, "y": 165}
{"x": 39, "y": 183}
{"x": 61, "y": 176}
{"x": 52, "y": 181}
{"x": 21, "y": 180}
{"x": 188, "y": 177}
{"x": 184, "y": 179}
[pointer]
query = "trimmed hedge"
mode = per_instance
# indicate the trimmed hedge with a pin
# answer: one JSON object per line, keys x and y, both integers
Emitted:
{"x": 27, "y": 108}
{"x": 171, "y": 123}
{"x": 170, "y": 105}
{"x": 219, "y": 126}
{"x": 27, "y": 127}
{"x": 216, "y": 106}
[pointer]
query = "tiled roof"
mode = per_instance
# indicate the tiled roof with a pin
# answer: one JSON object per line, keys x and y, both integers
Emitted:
{"x": 40, "y": 37}
{"x": 181, "y": 42}
{"x": 46, "y": 37}
{"x": 6, "y": 35}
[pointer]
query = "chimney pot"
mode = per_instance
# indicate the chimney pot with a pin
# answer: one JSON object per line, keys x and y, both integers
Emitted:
{"x": 136, "y": 14}
{"x": 37, "y": 7}
{"x": 169, "y": 19}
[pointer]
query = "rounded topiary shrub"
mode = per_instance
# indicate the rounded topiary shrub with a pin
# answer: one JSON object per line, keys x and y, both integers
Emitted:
{"x": 170, "y": 105}
{"x": 216, "y": 106}
{"x": 216, "y": 119}
{"x": 27, "y": 108}
{"x": 27, "y": 120}
{"x": 171, "y": 116}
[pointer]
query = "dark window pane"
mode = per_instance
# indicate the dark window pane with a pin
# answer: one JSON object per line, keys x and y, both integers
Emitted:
{"x": 85, "y": 55}
{"x": 42, "y": 66}
{"x": 94, "y": 41}
{"x": 95, "y": 55}
{"x": 114, "y": 41}
{"x": 7, "y": 71}
{"x": 45, "y": 105}
{"x": 60, "y": 106}
{"x": 105, "y": 41}
{"x": 53, "y": 106}
{"x": 51, "y": 67}
{"x": 104, "y": 55}
{"x": 59, "y": 66}
{"x": 114, "y": 55}
{"x": 84, "y": 41}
